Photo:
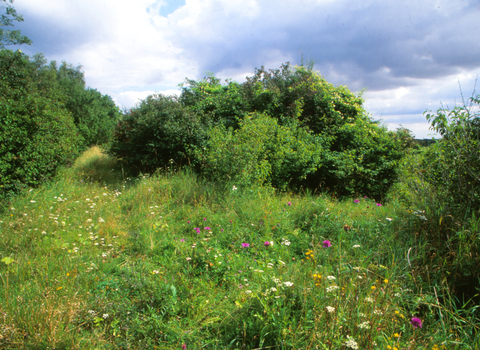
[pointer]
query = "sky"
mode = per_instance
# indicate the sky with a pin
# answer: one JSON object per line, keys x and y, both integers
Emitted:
{"x": 407, "y": 56}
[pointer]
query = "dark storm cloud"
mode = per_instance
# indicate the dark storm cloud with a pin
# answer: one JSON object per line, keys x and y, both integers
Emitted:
{"x": 377, "y": 45}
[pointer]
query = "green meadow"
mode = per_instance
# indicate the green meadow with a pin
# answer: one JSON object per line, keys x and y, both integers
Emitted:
{"x": 95, "y": 259}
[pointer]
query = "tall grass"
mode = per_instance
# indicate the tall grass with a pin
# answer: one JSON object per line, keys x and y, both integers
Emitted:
{"x": 97, "y": 259}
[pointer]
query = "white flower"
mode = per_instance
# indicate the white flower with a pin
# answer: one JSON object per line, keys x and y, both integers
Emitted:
{"x": 331, "y": 289}
{"x": 364, "y": 325}
{"x": 378, "y": 312}
{"x": 330, "y": 309}
{"x": 388, "y": 219}
{"x": 331, "y": 278}
{"x": 234, "y": 188}
{"x": 248, "y": 291}
{"x": 351, "y": 343}
{"x": 32, "y": 202}
{"x": 188, "y": 259}
{"x": 369, "y": 300}
{"x": 105, "y": 316}
{"x": 288, "y": 284}
{"x": 101, "y": 220}
{"x": 273, "y": 289}
{"x": 356, "y": 246}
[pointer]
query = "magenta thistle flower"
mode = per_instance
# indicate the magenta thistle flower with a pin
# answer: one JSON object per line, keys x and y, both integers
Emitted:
{"x": 379, "y": 205}
{"x": 188, "y": 222}
{"x": 184, "y": 346}
{"x": 356, "y": 201}
{"x": 416, "y": 322}
{"x": 205, "y": 219}
{"x": 208, "y": 228}
{"x": 245, "y": 245}
{"x": 289, "y": 203}
{"x": 266, "y": 244}
{"x": 197, "y": 229}
{"x": 182, "y": 240}
{"x": 326, "y": 244}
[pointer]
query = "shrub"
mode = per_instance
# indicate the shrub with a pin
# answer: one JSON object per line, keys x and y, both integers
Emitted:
{"x": 158, "y": 132}
{"x": 37, "y": 133}
{"x": 260, "y": 152}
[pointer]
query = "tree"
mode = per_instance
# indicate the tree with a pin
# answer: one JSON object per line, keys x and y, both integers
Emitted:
{"x": 11, "y": 37}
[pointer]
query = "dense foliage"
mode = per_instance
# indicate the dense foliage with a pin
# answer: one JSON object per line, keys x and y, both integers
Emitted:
{"x": 10, "y": 37}
{"x": 441, "y": 184}
{"x": 288, "y": 128}
{"x": 46, "y": 117}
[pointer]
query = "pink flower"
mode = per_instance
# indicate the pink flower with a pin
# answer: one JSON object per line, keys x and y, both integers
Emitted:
{"x": 197, "y": 229}
{"x": 207, "y": 228}
{"x": 289, "y": 203}
{"x": 182, "y": 240}
{"x": 378, "y": 205}
{"x": 184, "y": 346}
{"x": 416, "y": 322}
{"x": 245, "y": 245}
{"x": 266, "y": 244}
{"x": 356, "y": 201}
{"x": 326, "y": 244}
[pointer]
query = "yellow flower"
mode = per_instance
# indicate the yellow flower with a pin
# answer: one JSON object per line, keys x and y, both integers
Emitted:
{"x": 386, "y": 281}
{"x": 396, "y": 335}
{"x": 373, "y": 287}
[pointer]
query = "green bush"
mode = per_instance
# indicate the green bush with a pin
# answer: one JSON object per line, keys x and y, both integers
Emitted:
{"x": 37, "y": 133}
{"x": 260, "y": 152}
{"x": 157, "y": 133}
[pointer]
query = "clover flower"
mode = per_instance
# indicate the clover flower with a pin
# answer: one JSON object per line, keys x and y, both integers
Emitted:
{"x": 356, "y": 201}
{"x": 416, "y": 322}
{"x": 326, "y": 244}
{"x": 245, "y": 245}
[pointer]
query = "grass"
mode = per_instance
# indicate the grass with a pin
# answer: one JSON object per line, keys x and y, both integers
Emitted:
{"x": 99, "y": 260}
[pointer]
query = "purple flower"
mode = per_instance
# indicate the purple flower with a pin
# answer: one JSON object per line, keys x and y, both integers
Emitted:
{"x": 205, "y": 219}
{"x": 378, "y": 205}
{"x": 356, "y": 201}
{"x": 245, "y": 245}
{"x": 197, "y": 229}
{"x": 184, "y": 346}
{"x": 221, "y": 229}
{"x": 326, "y": 244}
{"x": 416, "y": 322}
{"x": 266, "y": 244}
{"x": 188, "y": 222}
{"x": 365, "y": 197}
{"x": 208, "y": 228}
{"x": 289, "y": 203}
{"x": 182, "y": 240}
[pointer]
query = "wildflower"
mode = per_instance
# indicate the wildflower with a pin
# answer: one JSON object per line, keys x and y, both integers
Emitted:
{"x": 373, "y": 287}
{"x": 364, "y": 325}
{"x": 378, "y": 205}
{"x": 205, "y": 219}
{"x": 182, "y": 240}
{"x": 105, "y": 316}
{"x": 396, "y": 335}
{"x": 416, "y": 322}
{"x": 188, "y": 222}
{"x": 330, "y": 309}
{"x": 351, "y": 343}
{"x": 234, "y": 188}
{"x": 197, "y": 229}
{"x": 356, "y": 246}
{"x": 331, "y": 278}
{"x": 389, "y": 219}
{"x": 288, "y": 284}
{"x": 273, "y": 289}
{"x": 289, "y": 203}
{"x": 184, "y": 346}
{"x": 188, "y": 259}
{"x": 245, "y": 245}
{"x": 248, "y": 291}
{"x": 385, "y": 281}
{"x": 207, "y": 228}
{"x": 326, "y": 244}
{"x": 331, "y": 289}
{"x": 266, "y": 244}
{"x": 356, "y": 201}
{"x": 285, "y": 241}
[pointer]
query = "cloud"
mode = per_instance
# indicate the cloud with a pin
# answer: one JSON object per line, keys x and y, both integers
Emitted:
{"x": 409, "y": 55}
